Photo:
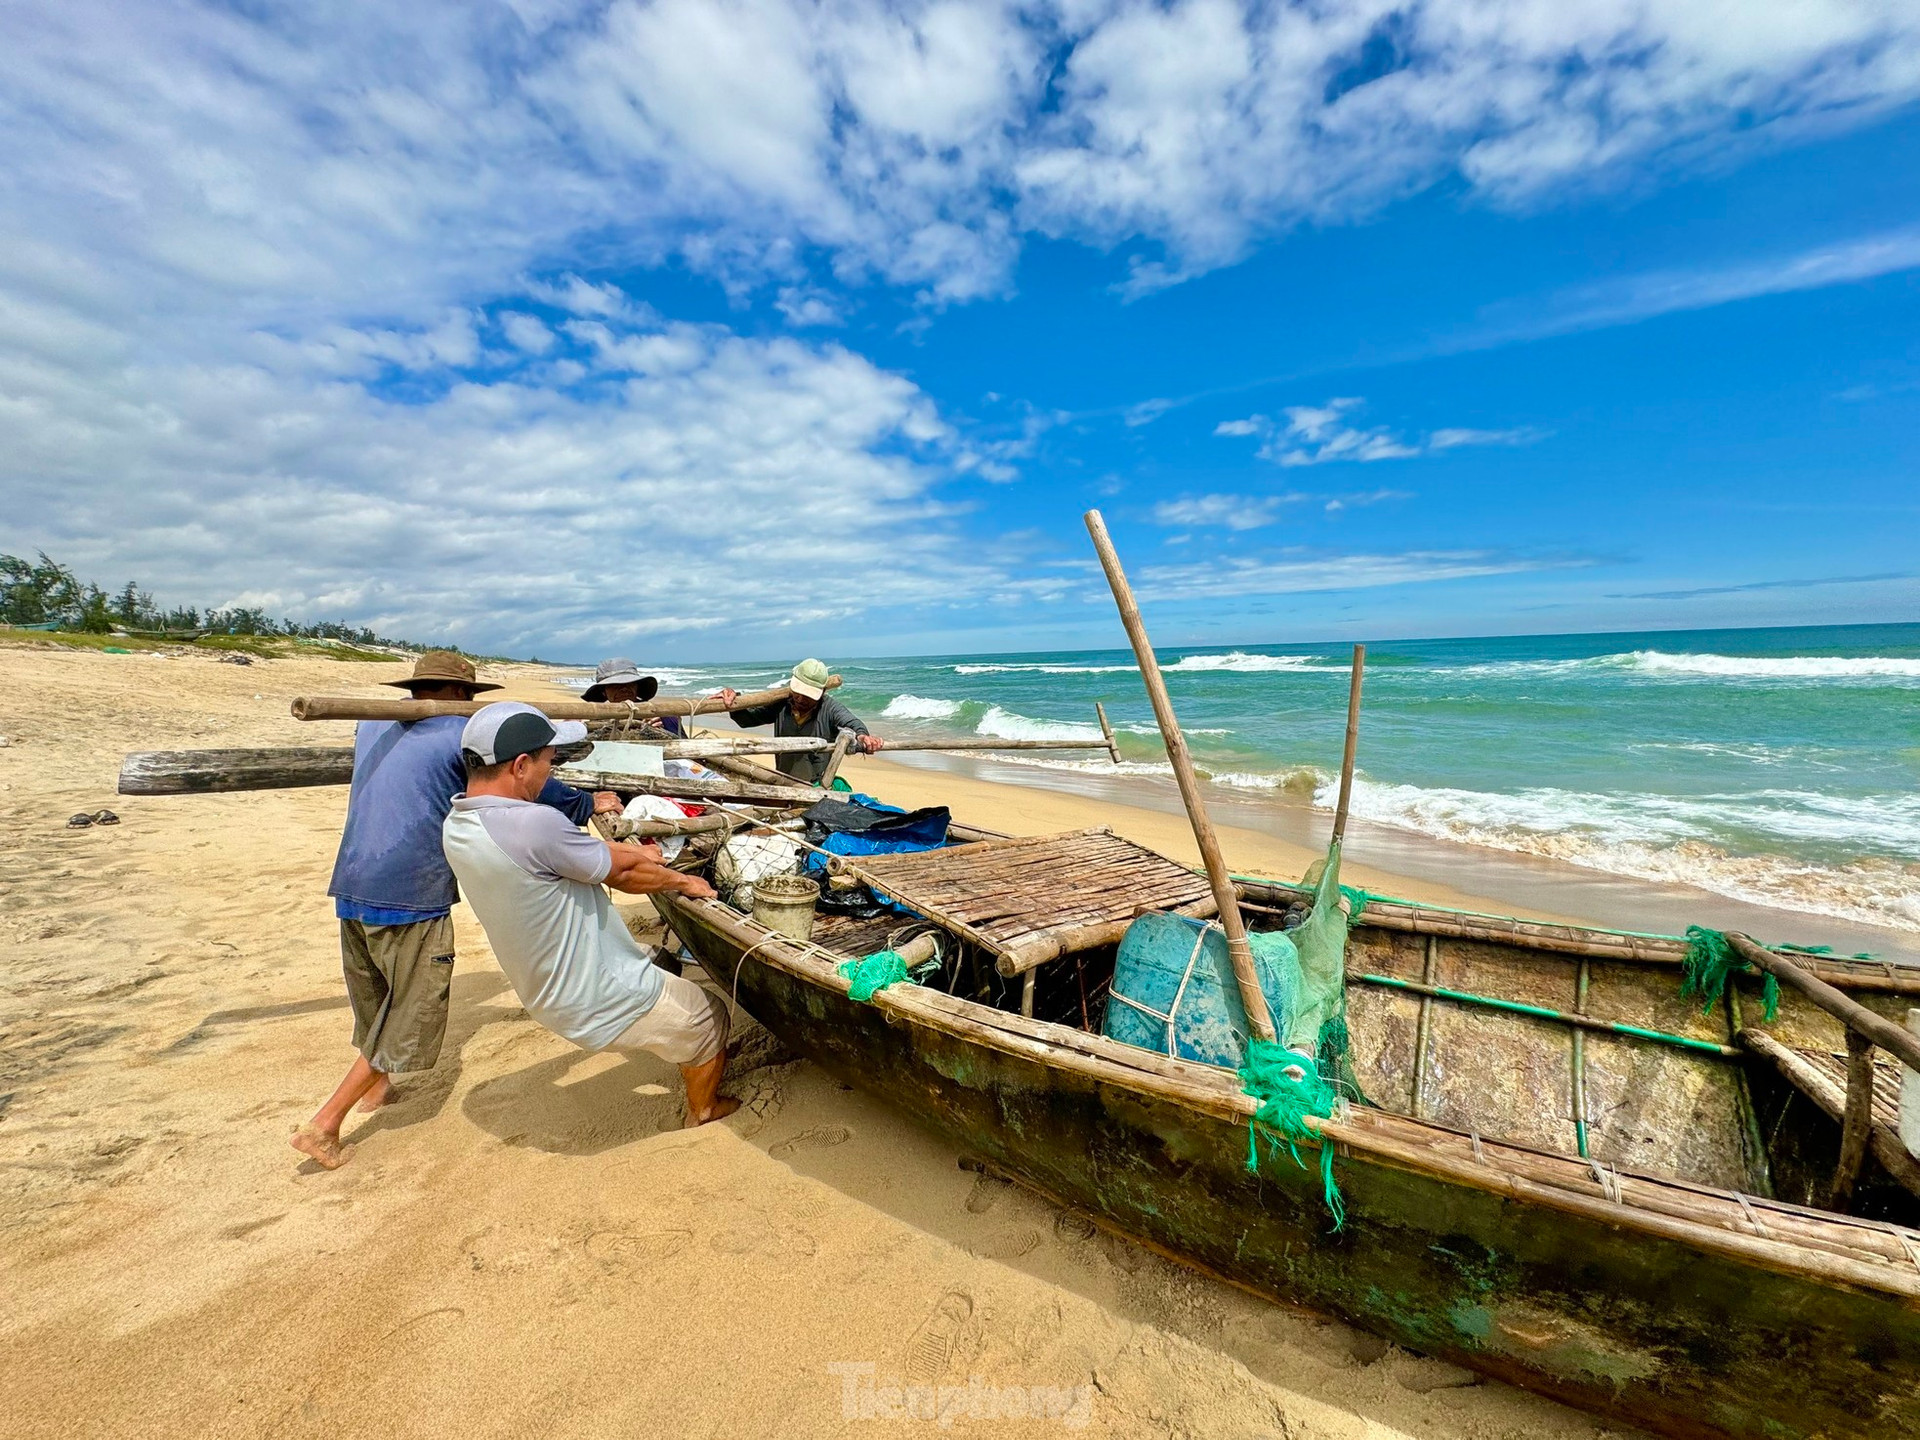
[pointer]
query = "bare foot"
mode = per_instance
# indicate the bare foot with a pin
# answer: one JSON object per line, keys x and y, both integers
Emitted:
{"x": 382, "y": 1093}
{"x": 324, "y": 1149}
{"x": 723, "y": 1106}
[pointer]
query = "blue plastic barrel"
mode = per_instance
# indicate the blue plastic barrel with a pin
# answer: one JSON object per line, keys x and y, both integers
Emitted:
{"x": 1211, "y": 1024}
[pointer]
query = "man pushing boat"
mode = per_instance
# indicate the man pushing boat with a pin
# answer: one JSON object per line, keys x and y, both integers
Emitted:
{"x": 537, "y": 884}
{"x": 394, "y": 894}
{"x": 807, "y": 711}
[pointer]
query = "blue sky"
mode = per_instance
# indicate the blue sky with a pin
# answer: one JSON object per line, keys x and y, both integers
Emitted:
{"x": 711, "y": 330}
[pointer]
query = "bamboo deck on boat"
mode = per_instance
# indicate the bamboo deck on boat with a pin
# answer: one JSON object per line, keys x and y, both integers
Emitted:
{"x": 1029, "y": 900}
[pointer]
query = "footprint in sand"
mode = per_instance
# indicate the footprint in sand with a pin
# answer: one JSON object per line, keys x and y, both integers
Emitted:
{"x": 1071, "y": 1227}
{"x": 1014, "y": 1244}
{"x": 787, "y": 1243}
{"x": 820, "y": 1137}
{"x": 618, "y": 1251}
{"x": 986, "y": 1193}
{"x": 930, "y": 1350}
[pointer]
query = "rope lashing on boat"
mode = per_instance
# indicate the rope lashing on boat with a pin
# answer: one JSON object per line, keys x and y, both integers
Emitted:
{"x": 1290, "y": 1091}
{"x": 873, "y": 973}
{"x": 1710, "y": 966}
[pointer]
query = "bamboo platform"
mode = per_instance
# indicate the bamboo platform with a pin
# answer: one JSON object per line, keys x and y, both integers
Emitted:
{"x": 1031, "y": 900}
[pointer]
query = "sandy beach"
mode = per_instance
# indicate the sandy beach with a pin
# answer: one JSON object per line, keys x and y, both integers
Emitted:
{"x": 525, "y": 1244}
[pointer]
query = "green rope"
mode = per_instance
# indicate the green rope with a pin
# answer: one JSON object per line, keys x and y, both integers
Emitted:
{"x": 1356, "y": 902}
{"x": 875, "y": 972}
{"x": 1712, "y": 963}
{"x": 1286, "y": 1104}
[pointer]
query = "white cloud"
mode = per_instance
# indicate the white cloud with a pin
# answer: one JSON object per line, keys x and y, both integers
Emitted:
{"x": 805, "y": 307}
{"x": 294, "y": 297}
{"x": 712, "y": 492}
{"x": 1234, "y": 512}
{"x": 527, "y": 332}
{"x": 1320, "y": 434}
{"x": 1289, "y": 572}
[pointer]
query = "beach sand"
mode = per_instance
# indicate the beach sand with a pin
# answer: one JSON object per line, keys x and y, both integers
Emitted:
{"x": 524, "y": 1244}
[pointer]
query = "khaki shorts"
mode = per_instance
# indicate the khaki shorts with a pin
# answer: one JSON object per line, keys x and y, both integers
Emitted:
{"x": 686, "y": 1026}
{"x": 398, "y": 977}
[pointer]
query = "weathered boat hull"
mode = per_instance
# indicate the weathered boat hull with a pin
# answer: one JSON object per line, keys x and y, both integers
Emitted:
{"x": 1685, "y": 1339}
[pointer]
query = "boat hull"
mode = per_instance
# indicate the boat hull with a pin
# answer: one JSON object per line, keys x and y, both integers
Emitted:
{"x": 1602, "y": 1316}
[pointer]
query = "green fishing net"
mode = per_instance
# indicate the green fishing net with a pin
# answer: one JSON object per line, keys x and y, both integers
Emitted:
{"x": 1310, "y": 1069}
{"x": 1290, "y": 1092}
{"x": 872, "y": 973}
{"x": 1710, "y": 966}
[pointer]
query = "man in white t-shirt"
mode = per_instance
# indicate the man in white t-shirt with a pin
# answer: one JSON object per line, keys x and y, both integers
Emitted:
{"x": 536, "y": 882}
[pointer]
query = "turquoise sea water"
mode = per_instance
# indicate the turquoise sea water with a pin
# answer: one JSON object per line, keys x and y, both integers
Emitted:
{"x": 1780, "y": 766}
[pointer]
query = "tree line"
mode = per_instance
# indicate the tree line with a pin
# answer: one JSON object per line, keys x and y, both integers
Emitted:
{"x": 42, "y": 591}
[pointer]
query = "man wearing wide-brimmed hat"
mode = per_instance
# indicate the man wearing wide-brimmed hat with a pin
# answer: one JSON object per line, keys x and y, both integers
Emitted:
{"x": 393, "y": 891}
{"x": 808, "y": 711}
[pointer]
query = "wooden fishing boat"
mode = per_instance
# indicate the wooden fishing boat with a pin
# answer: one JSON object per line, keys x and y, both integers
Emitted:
{"x": 1566, "y": 1174}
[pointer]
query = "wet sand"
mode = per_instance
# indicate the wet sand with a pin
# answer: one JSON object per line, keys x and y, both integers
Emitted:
{"x": 524, "y": 1244}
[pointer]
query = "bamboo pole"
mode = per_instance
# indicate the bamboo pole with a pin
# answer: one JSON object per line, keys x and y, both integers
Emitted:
{"x": 1113, "y": 750}
{"x": 1252, "y": 999}
{"x": 340, "y": 707}
{"x": 1857, "y": 1125}
{"x": 1352, "y": 745}
{"x": 1877, "y": 1028}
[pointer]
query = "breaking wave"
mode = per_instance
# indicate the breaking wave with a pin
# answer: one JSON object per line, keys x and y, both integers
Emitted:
{"x": 1659, "y": 838}
{"x": 1005, "y": 725}
{"x": 1241, "y": 662}
{"x": 1715, "y": 667}
{"x": 919, "y": 707}
{"x": 1042, "y": 667}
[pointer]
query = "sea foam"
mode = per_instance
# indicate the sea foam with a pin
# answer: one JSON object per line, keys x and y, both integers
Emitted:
{"x": 1006, "y": 725}
{"x": 919, "y": 707}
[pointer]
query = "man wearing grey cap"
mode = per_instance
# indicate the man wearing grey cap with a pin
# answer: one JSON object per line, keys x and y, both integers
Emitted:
{"x": 536, "y": 883}
{"x": 394, "y": 894}
{"x": 619, "y": 682}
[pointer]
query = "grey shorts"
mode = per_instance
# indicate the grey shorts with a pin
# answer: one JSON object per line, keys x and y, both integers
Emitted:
{"x": 686, "y": 1026}
{"x": 398, "y": 977}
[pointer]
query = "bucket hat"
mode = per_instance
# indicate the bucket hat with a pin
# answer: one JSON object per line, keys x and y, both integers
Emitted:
{"x": 620, "y": 672}
{"x": 442, "y": 667}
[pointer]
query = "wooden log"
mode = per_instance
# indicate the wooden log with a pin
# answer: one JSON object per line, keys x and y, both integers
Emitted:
{"x": 1252, "y": 999}
{"x": 341, "y": 707}
{"x": 666, "y": 829}
{"x": 195, "y": 772}
{"x": 1352, "y": 744}
{"x": 1810, "y": 1081}
{"x": 1022, "y": 958}
{"x": 1877, "y": 1028}
{"x": 631, "y": 785}
{"x": 1857, "y": 1125}
{"x": 842, "y": 743}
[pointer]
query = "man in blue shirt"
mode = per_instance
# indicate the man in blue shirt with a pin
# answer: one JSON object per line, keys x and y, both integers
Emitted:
{"x": 393, "y": 893}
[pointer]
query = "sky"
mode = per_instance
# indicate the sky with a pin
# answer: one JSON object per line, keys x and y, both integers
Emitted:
{"x": 719, "y": 329}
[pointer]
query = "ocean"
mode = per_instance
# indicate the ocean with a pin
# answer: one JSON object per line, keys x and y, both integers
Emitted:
{"x": 1779, "y": 767}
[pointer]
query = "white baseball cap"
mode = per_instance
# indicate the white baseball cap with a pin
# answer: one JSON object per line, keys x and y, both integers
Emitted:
{"x": 508, "y": 729}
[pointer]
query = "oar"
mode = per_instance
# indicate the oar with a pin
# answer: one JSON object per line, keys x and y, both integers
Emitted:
{"x": 1353, "y": 744}
{"x": 1259, "y": 1018}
